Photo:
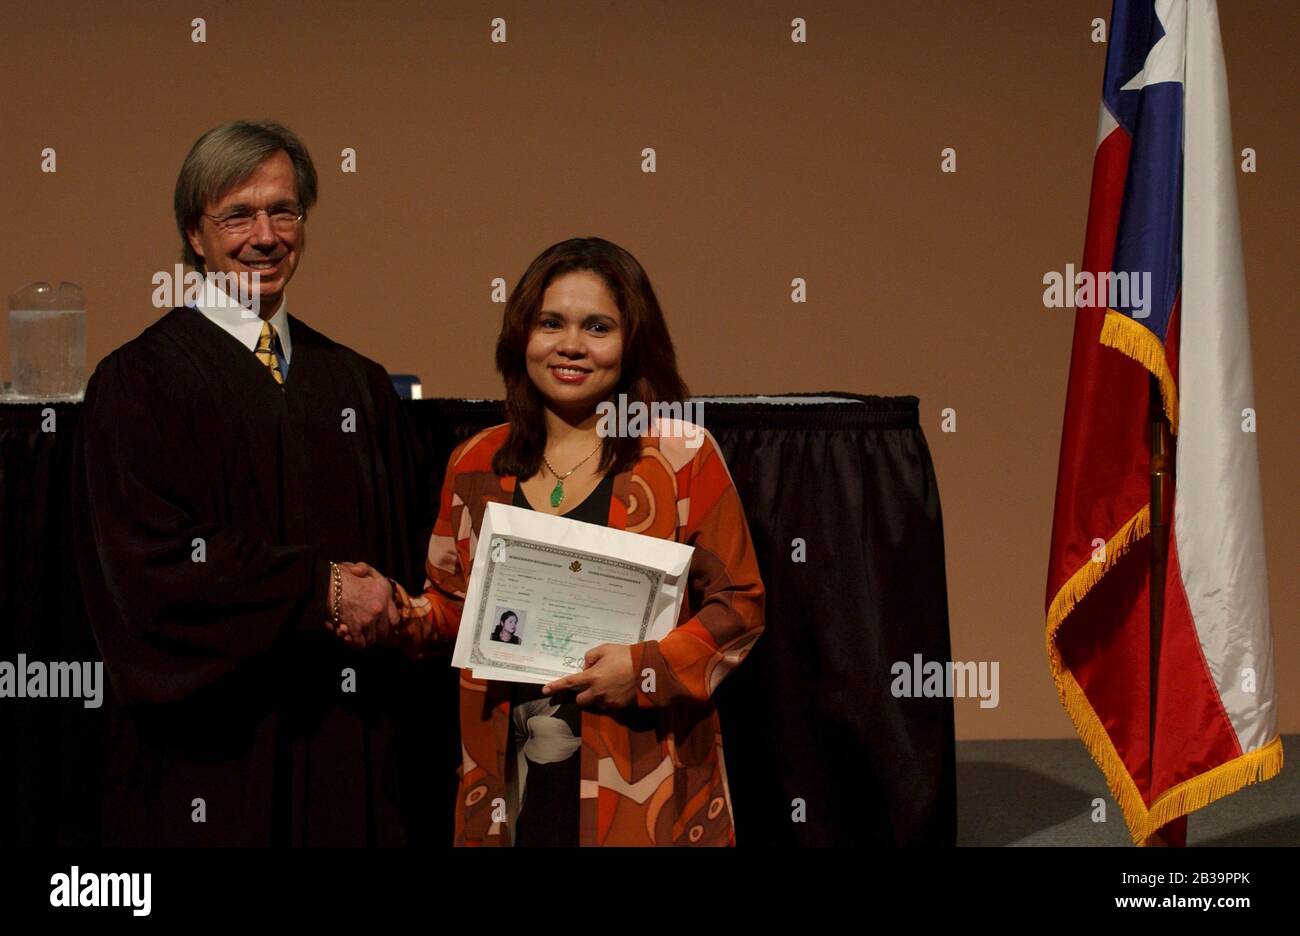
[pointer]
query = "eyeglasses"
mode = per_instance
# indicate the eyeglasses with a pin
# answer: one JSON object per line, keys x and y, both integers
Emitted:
{"x": 283, "y": 218}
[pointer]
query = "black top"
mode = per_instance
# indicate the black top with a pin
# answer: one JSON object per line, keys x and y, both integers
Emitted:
{"x": 548, "y": 814}
{"x": 209, "y": 503}
{"x": 593, "y": 509}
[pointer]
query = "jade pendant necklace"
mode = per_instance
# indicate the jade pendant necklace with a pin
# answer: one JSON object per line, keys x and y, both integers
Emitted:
{"x": 557, "y": 492}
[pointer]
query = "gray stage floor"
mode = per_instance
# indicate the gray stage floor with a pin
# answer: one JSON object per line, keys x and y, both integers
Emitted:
{"x": 1042, "y": 792}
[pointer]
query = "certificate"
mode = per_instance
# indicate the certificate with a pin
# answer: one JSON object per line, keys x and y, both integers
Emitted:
{"x": 546, "y": 589}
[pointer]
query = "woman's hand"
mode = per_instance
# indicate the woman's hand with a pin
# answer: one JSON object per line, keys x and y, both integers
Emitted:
{"x": 606, "y": 681}
{"x": 414, "y": 635}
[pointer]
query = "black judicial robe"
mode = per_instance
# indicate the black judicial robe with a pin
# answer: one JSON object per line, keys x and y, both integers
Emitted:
{"x": 209, "y": 502}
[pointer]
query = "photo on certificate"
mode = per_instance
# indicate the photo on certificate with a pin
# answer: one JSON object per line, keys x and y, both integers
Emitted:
{"x": 544, "y": 590}
{"x": 509, "y": 625}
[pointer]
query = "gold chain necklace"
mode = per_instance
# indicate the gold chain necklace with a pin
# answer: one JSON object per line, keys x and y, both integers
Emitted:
{"x": 557, "y": 493}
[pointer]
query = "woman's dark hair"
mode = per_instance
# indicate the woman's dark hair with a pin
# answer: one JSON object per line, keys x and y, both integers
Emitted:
{"x": 649, "y": 365}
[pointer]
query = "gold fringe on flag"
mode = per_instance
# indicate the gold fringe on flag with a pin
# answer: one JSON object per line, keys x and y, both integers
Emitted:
{"x": 1128, "y": 337}
{"x": 1255, "y": 766}
{"x": 1251, "y": 767}
{"x": 1081, "y": 582}
{"x": 1096, "y": 739}
{"x": 1086, "y": 723}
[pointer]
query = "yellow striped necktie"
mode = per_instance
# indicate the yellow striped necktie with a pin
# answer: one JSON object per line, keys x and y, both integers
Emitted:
{"x": 267, "y": 346}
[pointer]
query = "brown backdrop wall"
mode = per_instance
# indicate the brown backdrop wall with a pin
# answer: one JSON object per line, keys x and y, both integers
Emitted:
{"x": 775, "y": 160}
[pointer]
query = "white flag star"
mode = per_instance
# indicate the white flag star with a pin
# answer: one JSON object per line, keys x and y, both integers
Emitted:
{"x": 1165, "y": 60}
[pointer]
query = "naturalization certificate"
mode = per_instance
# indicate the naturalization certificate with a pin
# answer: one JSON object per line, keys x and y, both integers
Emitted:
{"x": 546, "y": 589}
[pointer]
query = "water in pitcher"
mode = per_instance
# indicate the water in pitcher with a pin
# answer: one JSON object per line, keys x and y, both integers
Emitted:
{"x": 47, "y": 342}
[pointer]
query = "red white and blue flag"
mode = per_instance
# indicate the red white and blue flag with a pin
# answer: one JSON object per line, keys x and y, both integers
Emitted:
{"x": 1163, "y": 203}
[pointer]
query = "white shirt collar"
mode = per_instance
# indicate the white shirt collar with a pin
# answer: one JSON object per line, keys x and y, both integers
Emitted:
{"x": 240, "y": 322}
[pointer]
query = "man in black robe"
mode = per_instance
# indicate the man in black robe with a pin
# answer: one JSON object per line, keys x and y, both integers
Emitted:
{"x": 230, "y": 458}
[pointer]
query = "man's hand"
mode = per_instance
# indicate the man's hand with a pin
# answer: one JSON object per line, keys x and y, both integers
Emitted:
{"x": 368, "y": 613}
{"x": 606, "y": 681}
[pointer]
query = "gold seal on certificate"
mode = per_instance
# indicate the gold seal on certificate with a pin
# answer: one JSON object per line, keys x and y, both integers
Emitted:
{"x": 546, "y": 589}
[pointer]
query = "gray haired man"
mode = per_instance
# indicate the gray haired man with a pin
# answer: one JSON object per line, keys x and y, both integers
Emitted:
{"x": 240, "y": 478}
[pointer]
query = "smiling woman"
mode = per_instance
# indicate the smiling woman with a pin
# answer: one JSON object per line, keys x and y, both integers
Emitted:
{"x": 628, "y": 751}
{"x": 583, "y": 325}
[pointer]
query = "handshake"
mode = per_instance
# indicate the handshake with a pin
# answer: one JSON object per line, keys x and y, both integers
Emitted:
{"x": 364, "y": 608}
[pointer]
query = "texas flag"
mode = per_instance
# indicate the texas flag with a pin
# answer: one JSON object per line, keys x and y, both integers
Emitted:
{"x": 1163, "y": 212}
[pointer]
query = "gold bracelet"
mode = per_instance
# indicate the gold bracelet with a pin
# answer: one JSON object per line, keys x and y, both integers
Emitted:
{"x": 336, "y": 578}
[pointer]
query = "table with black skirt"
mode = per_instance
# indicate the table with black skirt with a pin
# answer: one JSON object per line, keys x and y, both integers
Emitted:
{"x": 843, "y": 507}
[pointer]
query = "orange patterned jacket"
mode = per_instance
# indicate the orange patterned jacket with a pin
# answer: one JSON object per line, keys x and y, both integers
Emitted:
{"x": 652, "y": 774}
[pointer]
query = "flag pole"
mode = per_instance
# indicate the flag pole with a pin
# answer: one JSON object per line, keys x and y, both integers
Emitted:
{"x": 1162, "y": 475}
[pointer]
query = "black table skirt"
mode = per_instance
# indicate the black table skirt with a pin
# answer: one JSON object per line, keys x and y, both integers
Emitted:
{"x": 844, "y": 510}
